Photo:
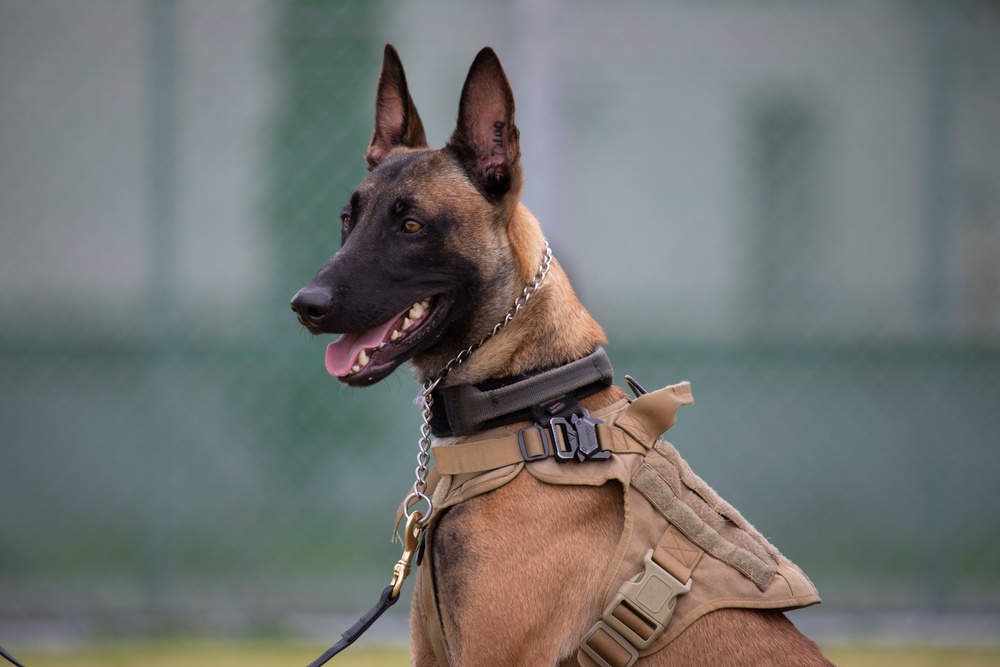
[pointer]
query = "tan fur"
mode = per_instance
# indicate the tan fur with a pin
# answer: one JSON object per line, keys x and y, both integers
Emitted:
{"x": 517, "y": 570}
{"x": 542, "y": 572}
{"x": 554, "y": 329}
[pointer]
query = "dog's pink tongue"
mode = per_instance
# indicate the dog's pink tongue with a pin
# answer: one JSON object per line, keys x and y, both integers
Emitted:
{"x": 342, "y": 354}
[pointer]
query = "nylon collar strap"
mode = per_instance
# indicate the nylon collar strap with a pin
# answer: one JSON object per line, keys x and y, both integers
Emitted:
{"x": 467, "y": 409}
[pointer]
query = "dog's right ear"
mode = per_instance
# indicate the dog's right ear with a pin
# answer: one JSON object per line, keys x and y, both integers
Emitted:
{"x": 396, "y": 119}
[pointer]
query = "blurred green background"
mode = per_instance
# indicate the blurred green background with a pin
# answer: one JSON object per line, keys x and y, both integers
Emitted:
{"x": 793, "y": 205}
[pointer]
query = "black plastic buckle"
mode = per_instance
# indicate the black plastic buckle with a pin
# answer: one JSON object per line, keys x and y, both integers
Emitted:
{"x": 576, "y": 438}
{"x": 545, "y": 443}
{"x": 587, "y": 444}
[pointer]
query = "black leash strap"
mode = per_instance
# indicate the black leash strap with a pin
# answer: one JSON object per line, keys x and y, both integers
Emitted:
{"x": 386, "y": 600}
{"x": 9, "y": 657}
{"x": 350, "y": 636}
{"x": 411, "y": 543}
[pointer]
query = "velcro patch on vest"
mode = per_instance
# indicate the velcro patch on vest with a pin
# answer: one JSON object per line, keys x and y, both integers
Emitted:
{"x": 655, "y": 488}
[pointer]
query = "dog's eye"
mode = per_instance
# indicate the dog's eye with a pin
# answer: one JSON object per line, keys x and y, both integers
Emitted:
{"x": 412, "y": 226}
{"x": 345, "y": 222}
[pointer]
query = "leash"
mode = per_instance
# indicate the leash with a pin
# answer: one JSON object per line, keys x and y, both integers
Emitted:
{"x": 350, "y": 636}
{"x": 390, "y": 595}
{"x": 9, "y": 657}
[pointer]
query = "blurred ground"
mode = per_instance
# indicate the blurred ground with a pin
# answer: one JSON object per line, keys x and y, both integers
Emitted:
{"x": 285, "y": 655}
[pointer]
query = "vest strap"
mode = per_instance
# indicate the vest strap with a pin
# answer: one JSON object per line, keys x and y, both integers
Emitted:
{"x": 638, "y": 429}
{"x": 430, "y": 613}
{"x": 532, "y": 443}
{"x": 639, "y": 613}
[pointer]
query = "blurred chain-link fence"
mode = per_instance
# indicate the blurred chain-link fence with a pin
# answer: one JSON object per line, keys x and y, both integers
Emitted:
{"x": 803, "y": 207}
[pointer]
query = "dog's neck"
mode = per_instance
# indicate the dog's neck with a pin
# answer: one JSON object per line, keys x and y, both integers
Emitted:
{"x": 552, "y": 329}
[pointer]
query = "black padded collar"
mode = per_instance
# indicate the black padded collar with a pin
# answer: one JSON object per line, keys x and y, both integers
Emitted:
{"x": 465, "y": 409}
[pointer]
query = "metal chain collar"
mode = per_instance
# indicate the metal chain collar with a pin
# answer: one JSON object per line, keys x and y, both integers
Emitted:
{"x": 425, "y": 400}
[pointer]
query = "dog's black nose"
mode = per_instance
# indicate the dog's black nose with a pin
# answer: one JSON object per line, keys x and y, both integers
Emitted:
{"x": 311, "y": 304}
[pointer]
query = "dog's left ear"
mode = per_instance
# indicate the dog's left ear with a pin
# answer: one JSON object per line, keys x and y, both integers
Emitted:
{"x": 486, "y": 138}
{"x": 396, "y": 119}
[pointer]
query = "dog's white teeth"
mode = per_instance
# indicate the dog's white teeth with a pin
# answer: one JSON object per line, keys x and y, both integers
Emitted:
{"x": 363, "y": 359}
{"x": 417, "y": 311}
{"x": 396, "y": 335}
{"x": 355, "y": 368}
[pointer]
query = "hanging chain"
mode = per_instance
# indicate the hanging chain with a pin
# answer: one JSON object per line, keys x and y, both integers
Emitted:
{"x": 424, "y": 399}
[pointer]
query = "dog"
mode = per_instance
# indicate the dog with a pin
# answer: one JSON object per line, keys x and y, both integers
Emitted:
{"x": 435, "y": 248}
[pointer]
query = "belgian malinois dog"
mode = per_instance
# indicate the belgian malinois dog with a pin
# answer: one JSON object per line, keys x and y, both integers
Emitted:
{"x": 435, "y": 247}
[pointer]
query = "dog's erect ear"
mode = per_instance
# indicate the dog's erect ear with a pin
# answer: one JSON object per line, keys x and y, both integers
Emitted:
{"x": 396, "y": 119}
{"x": 486, "y": 138}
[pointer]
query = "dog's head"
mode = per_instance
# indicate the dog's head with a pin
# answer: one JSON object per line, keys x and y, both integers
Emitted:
{"x": 425, "y": 266}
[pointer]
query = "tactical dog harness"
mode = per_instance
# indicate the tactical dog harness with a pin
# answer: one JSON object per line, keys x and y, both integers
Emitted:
{"x": 684, "y": 551}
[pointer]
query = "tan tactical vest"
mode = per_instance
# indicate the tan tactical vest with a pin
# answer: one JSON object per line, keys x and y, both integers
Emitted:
{"x": 683, "y": 552}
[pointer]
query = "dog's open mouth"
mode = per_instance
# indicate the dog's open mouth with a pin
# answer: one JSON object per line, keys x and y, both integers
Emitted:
{"x": 369, "y": 356}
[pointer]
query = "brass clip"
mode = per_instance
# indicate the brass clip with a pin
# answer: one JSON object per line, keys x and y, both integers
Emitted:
{"x": 411, "y": 541}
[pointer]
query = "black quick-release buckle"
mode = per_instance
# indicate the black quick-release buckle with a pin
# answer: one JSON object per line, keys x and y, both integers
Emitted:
{"x": 572, "y": 435}
{"x": 588, "y": 445}
{"x": 576, "y": 438}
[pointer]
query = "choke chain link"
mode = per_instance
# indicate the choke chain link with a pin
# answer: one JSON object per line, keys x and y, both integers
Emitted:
{"x": 425, "y": 400}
